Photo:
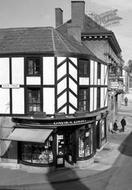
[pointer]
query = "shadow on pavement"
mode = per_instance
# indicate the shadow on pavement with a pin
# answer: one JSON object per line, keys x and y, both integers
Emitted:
{"x": 126, "y": 146}
{"x": 70, "y": 182}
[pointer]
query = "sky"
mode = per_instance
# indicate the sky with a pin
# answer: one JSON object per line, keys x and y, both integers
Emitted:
{"x": 33, "y": 13}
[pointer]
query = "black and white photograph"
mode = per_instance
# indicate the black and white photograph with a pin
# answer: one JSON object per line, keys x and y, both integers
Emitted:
{"x": 65, "y": 95}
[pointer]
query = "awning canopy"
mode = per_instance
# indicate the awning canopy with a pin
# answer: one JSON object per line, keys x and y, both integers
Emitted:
{"x": 30, "y": 135}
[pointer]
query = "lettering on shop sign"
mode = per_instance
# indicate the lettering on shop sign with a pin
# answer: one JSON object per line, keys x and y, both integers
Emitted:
{"x": 10, "y": 86}
{"x": 69, "y": 122}
{"x": 106, "y": 19}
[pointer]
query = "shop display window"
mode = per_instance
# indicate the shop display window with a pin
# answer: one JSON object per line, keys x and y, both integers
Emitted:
{"x": 103, "y": 132}
{"x": 85, "y": 141}
{"x": 37, "y": 153}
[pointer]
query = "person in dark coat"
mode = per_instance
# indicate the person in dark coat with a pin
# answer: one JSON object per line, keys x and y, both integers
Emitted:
{"x": 123, "y": 124}
{"x": 126, "y": 101}
{"x": 115, "y": 126}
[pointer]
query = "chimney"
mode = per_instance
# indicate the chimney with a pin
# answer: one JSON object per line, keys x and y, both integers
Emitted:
{"x": 58, "y": 16}
{"x": 77, "y": 21}
{"x": 78, "y": 13}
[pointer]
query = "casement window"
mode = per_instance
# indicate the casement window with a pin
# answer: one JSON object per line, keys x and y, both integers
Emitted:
{"x": 98, "y": 97}
{"x": 99, "y": 70}
{"x": 33, "y": 66}
{"x": 33, "y": 100}
{"x": 84, "y": 67}
{"x": 84, "y": 99}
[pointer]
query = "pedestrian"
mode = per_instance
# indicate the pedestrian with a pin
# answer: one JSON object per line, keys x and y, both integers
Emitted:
{"x": 123, "y": 124}
{"x": 126, "y": 101}
{"x": 110, "y": 126}
{"x": 115, "y": 126}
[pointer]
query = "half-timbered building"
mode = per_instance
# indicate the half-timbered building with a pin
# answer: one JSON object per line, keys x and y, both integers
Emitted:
{"x": 53, "y": 97}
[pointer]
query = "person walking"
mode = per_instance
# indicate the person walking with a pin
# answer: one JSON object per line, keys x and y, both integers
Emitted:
{"x": 115, "y": 126}
{"x": 123, "y": 124}
{"x": 126, "y": 101}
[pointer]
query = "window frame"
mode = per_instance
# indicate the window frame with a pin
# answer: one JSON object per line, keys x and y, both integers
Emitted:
{"x": 86, "y": 101}
{"x": 81, "y": 67}
{"x": 99, "y": 70}
{"x": 34, "y": 62}
{"x": 28, "y": 103}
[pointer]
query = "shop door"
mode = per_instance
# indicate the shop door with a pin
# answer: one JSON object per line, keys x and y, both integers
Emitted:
{"x": 70, "y": 147}
{"x": 60, "y": 152}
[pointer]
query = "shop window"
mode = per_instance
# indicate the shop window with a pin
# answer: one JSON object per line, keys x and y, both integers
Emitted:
{"x": 103, "y": 130}
{"x": 33, "y": 100}
{"x": 37, "y": 153}
{"x": 85, "y": 141}
{"x": 84, "y": 99}
{"x": 84, "y": 68}
{"x": 33, "y": 66}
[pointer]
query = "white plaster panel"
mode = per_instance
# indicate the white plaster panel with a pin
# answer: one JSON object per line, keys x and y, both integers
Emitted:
{"x": 102, "y": 98}
{"x": 62, "y": 100}
{"x": 33, "y": 81}
{"x": 4, "y": 101}
{"x": 74, "y": 60}
{"x": 48, "y": 70}
{"x": 72, "y": 99}
{"x": 91, "y": 72}
{"x": 84, "y": 80}
{"x": 18, "y": 101}
{"x": 91, "y": 99}
{"x": 61, "y": 85}
{"x": 95, "y": 73}
{"x": 99, "y": 82}
{"x": 73, "y": 71}
{"x": 4, "y": 71}
{"x": 17, "y": 70}
{"x": 60, "y": 59}
{"x": 64, "y": 110}
{"x": 106, "y": 75}
{"x": 106, "y": 97}
{"x": 73, "y": 86}
{"x": 102, "y": 74}
{"x": 61, "y": 71}
{"x": 49, "y": 100}
{"x": 71, "y": 110}
{"x": 95, "y": 98}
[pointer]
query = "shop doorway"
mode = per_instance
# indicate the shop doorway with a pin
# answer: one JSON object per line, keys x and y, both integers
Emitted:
{"x": 60, "y": 150}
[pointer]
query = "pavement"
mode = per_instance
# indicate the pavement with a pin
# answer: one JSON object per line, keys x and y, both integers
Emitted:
{"x": 12, "y": 177}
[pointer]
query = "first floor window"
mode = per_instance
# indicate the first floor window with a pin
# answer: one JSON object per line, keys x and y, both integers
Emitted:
{"x": 33, "y": 100}
{"x": 84, "y": 99}
{"x": 98, "y": 97}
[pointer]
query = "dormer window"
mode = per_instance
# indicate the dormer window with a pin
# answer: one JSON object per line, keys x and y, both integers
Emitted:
{"x": 33, "y": 66}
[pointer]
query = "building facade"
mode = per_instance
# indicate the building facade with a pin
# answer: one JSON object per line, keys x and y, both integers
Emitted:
{"x": 53, "y": 97}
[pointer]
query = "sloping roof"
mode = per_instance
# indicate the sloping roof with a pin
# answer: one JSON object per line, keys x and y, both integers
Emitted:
{"x": 92, "y": 28}
{"x": 38, "y": 40}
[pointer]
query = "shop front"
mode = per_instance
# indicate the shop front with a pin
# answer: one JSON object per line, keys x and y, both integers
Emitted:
{"x": 54, "y": 142}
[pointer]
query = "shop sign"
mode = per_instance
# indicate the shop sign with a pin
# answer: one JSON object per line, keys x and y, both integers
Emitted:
{"x": 10, "y": 86}
{"x": 114, "y": 85}
{"x": 69, "y": 122}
